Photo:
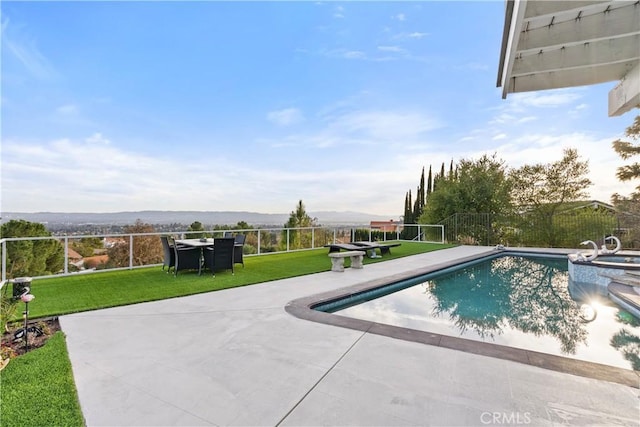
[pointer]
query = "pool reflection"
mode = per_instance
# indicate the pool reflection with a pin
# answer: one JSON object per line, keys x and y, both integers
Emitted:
{"x": 529, "y": 295}
{"x": 515, "y": 301}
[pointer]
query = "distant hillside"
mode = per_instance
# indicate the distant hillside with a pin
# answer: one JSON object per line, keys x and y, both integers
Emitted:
{"x": 187, "y": 217}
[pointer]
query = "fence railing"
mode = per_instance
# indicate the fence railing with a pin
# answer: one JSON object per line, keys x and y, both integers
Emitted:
{"x": 135, "y": 250}
{"x": 563, "y": 230}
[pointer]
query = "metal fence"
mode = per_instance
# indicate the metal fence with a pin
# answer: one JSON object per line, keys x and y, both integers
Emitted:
{"x": 135, "y": 250}
{"x": 563, "y": 230}
{"x": 129, "y": 251}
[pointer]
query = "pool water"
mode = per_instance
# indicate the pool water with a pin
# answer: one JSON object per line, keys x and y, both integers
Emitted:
{"x": 516, "y": 301}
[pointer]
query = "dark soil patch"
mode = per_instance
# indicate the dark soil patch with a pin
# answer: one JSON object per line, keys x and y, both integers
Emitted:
{"x": 39, "y": 331}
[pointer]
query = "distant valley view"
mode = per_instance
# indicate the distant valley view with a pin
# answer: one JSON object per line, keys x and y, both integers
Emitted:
{"x": 90, "y": 223}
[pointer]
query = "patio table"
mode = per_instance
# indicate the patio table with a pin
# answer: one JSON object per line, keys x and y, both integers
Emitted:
{"x": 196, "y": 243}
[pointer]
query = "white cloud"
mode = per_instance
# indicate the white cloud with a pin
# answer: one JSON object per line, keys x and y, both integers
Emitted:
{"x": 557, "y": 98}
{"x": 384, "y": 125}
{"x": 285, "y": 117}
{"x": 26, "y": 51}
{"x": 393, "y": 49}
{"x": 353, "y": 54}
{"x": 400, "y": 17}
{"x": 97, "y": 138}
{"x": 417, "y": 35}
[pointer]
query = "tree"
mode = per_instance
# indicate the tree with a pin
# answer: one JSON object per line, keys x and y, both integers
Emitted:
{"x": 242, "y": 225}
{"x": 420, "y": 199}
{"x": 146, "y": 249}
{"x": 31, "y": 257}
{"x": 626, "y": 150}
{"x": 196, "y": 226}
{"x": 480, "y": 186}
{"x": 299, "y": 219}
{"x": 540, "y": 191}
{"x": 629, "y": 207}
{"x": 87, "y": 245}
{"x": 408, "y": 209}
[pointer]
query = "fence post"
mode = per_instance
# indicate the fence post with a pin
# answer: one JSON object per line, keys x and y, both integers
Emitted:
{"x": 130, "y": 251}
{"x": 4, "y": 260}
{"x": 66, "y": 254}
{"x": 259, "y": 241}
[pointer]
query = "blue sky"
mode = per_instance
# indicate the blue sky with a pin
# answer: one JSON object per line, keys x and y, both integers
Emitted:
{"x": 252, "y": 106}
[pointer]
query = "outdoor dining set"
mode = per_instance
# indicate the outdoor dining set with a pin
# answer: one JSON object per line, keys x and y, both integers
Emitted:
{"x": 213, "y": 254}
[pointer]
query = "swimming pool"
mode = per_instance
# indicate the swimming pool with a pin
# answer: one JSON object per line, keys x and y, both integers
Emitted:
{"x": 518, "y": 301}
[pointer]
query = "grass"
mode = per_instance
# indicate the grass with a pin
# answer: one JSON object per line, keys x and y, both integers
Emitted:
{"x": 38, "y": 387}
{"x": 83, "y": 292}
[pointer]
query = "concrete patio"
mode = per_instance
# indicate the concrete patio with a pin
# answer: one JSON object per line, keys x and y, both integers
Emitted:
{"x": 235, "y": 357}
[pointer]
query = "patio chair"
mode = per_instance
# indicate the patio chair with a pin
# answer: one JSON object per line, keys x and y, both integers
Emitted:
{"x": 237, "y": 249}
{"x": 169, "y": 256}
{"x": 187, "y": 258}
{"x": 220, "y": 257}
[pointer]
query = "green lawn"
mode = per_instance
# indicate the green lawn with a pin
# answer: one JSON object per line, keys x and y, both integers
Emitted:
{"x": 38, "y": 387}
{"x": 91, "y": 291}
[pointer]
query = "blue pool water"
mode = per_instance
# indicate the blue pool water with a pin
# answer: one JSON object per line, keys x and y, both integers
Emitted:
{"x": 517, "y": 301}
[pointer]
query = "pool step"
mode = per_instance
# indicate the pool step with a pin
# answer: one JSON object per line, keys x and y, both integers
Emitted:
{"x": 625, "y": 296}
{"x": 627, "y": 278}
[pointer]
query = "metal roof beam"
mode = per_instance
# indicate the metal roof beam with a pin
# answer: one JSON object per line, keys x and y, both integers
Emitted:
{"x": 568, "y": 78}
{"x": 607, "y": 51}
{"x": 623, "y": 20}
{"x": 550, "y": 8}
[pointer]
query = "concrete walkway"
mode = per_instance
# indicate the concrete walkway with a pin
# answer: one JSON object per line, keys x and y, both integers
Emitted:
{"x": 235, "y": 357}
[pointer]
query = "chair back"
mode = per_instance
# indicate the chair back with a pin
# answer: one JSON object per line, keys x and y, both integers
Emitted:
{"x": 223, "y": 253}
{"x": 239, "y": 239}
{"x": 168, "y": 254}
{"x": 166, "y": 248}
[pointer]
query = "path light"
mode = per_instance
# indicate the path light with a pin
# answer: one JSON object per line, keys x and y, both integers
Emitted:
{"x": 26, "y": 297}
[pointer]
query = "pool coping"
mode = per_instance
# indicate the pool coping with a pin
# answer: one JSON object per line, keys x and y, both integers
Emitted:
{"x": 303, "y": 308}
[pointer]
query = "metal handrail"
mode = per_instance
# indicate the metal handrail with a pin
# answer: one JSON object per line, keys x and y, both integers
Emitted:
{"x": 331, "y": 235}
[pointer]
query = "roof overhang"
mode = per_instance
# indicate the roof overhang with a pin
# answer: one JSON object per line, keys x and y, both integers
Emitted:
{"x": 559, "y": 44}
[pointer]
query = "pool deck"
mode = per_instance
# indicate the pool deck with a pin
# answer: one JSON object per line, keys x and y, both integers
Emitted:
{"x": 237, "y": 357}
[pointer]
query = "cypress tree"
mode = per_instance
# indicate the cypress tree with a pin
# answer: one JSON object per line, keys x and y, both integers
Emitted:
{"x": 419, "y": 198}
{"x": 408, "y": 214}
{"x": 416, "y": 207}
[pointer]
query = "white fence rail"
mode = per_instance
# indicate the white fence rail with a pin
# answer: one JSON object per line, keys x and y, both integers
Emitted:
{"x": 259, "y": 241}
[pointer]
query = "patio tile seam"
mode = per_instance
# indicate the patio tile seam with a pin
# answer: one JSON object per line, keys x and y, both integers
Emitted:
{"x": 328, "y": 371}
